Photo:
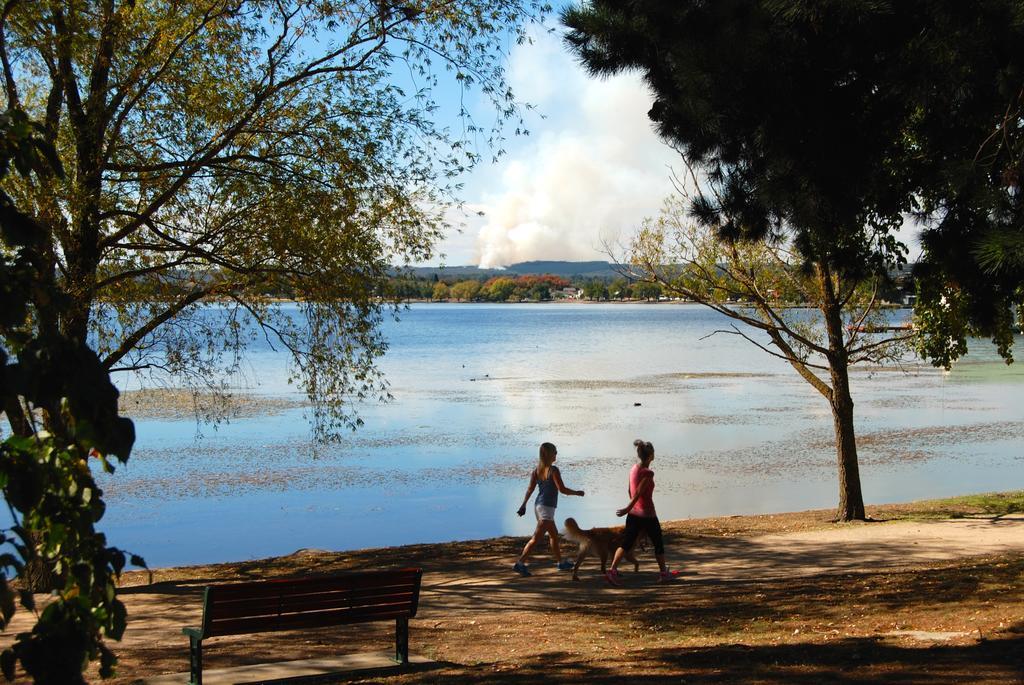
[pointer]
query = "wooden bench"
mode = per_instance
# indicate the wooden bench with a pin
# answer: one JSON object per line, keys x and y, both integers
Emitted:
{"x": 294, "y": 604}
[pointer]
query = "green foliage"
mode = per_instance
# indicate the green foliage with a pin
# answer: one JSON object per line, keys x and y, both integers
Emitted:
{"x": 45, "y": 475}
{"x": 403, "y": 288}
{"x": 968, "y": 139}
{"x": 619, "y": 288}
{"x": 942, "y": 319}
{"x": 646, "y": 290}
{"x": 595, "y": 289}
{"x": 1000, "y": 252}
{"x": 532, "y": 288}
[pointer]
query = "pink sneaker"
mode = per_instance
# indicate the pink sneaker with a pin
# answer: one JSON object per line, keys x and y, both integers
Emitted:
{"x": 666, "y": 576}
{"x": 613, "y": 577}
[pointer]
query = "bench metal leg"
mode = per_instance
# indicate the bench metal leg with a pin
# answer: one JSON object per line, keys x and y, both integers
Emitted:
{"x": 401, "y": 641}
{"x": 195, "y": 661}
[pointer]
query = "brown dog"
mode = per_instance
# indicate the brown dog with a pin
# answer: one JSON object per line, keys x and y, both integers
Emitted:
{"x": 602, "y": 541}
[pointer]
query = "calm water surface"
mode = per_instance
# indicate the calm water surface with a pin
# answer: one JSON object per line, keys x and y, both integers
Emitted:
{"x": 478, "y": 387}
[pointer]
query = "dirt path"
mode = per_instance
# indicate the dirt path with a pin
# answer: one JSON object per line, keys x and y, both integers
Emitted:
{"x": 485, "y": 584}
{"x": 855, "y": 548}
{"x": 479, "y": 618}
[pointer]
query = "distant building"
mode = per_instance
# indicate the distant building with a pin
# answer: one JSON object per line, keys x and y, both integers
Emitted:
{"x": 566, "y": 294}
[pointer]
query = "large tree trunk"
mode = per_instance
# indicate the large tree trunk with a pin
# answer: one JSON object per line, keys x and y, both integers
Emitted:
{"x": 851, "y": 500}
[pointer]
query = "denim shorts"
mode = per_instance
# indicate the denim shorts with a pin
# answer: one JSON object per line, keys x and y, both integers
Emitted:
{"x": 544, "y": 512}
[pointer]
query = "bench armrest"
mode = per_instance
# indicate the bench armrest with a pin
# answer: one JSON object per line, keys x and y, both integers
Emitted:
{"x": 195, "y": 633}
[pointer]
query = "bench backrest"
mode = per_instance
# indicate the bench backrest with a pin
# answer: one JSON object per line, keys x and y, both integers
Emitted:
{"x": 287, "y": 604}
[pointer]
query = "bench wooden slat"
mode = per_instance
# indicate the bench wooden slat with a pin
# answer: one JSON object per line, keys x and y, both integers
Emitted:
{"x": 308, "y": 603}
{"x": 265, "y": 588}
{"x": 298, "y": 598}
{"x": 265, "y": 593}
{"x": 311, "y": 620}
{"x": 367, "y": 594}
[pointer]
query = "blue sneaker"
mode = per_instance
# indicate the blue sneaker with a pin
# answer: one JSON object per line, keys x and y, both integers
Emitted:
{"x": 565, "y": 565}
{"x": 521, "y": 569}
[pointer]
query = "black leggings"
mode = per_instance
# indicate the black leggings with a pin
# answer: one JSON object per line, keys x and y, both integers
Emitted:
{"x": 648, "y": 524}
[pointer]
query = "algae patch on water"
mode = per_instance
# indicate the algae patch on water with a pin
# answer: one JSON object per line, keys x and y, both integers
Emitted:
{"x": 184, "y": 403}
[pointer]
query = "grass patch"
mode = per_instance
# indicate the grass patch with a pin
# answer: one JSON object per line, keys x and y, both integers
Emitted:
{"x": 994, "y": 504}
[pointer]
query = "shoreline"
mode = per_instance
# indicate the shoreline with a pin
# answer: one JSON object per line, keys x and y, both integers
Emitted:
{"x": 560, "y": 301}
{"x": 570, "y": 300}
{"x": 736, "y": 526}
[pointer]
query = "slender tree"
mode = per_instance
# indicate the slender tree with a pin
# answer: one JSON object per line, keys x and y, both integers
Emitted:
{"x": 795, "y": 118}
{"x": 763, "y": 285}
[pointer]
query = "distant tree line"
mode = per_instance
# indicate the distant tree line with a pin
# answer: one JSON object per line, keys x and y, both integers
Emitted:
{"x": 528, "y": 288}
{"x": 512, "y": 288}
{"x": 547, "y": 287}
{"x": 515, "y": 288}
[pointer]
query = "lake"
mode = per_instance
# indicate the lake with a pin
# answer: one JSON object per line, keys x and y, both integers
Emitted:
{"x": 478, "y": 387}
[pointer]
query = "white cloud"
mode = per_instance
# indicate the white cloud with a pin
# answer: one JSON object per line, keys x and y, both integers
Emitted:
{"x": 591, "y": 171}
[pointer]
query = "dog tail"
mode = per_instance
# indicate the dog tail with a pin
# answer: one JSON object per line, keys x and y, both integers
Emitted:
{"x": 572, "y": 530}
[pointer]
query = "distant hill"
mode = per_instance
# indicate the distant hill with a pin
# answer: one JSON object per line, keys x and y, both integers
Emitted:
{"x": 566, "y": 269}
{"x": 556, "y": 268}
{"x": 467, "y": 271}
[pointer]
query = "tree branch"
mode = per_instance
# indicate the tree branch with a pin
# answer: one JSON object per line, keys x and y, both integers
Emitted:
{"x": 786, "y": 357}
{"x": 801, "y": 367}
{"x": 265, "y": 326}
{"x": 135, "y": 273}
{"x": 880, "y": 343}
{"x": 128, "y": 343}
{"x": 67, "y": 72}
{"x": 10, "y": 87}
{"x": 856, "y": 326}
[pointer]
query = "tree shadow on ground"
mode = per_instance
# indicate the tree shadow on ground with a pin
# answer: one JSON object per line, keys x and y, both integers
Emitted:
{"x": 474, "y": 609}
{"x": 855, "y": 661}
{"x": 747, "y": 576}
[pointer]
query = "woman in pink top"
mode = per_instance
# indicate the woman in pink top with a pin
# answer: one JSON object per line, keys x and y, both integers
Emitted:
{"x": 640, "y": 514}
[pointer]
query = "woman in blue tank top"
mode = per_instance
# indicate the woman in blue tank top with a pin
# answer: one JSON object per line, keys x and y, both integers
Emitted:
{"x": 547, "y": 479}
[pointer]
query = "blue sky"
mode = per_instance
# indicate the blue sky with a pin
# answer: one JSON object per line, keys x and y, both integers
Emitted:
{"x": 588, "y": 173}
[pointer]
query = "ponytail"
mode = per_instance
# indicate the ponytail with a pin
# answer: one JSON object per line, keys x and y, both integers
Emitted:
{"x": 644, "y": 451}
